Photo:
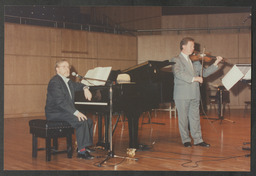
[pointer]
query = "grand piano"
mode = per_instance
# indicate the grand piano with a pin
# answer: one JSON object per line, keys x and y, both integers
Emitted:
{"x": 149, "y": 87}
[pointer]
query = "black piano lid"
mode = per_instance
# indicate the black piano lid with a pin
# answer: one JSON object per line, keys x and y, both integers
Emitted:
{"x": 113, "y": 75}
{"x": 150, "y": 63}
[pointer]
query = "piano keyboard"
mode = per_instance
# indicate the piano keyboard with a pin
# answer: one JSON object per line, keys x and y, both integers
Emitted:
{"x": 92, "y": 103}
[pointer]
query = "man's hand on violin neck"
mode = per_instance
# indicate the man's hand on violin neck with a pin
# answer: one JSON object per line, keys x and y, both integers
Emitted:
{"x": 218, "y": 60}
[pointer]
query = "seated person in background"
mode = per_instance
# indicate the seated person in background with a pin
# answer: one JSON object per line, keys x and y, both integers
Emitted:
{"x": 60, "y": 106}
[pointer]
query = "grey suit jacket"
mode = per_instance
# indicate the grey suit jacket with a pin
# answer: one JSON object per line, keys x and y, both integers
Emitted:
{"x": 58, "y": 97}
{"x": 183, "y": 75}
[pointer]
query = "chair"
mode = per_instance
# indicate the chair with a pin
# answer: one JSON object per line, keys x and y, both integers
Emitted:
{"x": 214, "y": 101}
{"x": 168, "y": 107}
{"x": 50, "y": 130}
{"x": 246, "y": 105}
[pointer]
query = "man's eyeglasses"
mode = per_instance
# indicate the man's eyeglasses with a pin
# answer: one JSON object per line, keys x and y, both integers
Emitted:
{"x": 69, "y": 67}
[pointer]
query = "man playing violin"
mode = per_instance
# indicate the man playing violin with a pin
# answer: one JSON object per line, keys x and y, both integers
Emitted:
{"x": 187, "y": 76}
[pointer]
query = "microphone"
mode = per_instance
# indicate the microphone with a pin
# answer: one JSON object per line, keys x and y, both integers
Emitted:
{"x": 77, "y": 75}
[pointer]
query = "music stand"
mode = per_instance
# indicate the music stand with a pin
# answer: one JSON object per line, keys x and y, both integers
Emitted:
{"x": 221, "y": 98}
{"x": 237, "y": 72}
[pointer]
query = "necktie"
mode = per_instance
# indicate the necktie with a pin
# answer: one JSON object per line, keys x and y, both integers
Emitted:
{"x": 68, "y": 85}
{"x": 190, "y": 63}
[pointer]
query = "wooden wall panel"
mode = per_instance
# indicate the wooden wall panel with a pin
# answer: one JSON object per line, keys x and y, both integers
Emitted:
{"x": 244, "y": 48}
{"x": 112, "y": 46}
{"x": 21, "y": 70}
{"x": 165, "y": 46}
{"x": 24, "y": 100}
{"x": 117, "y": 64}
{"x": 27, "y": 40}
{"x": 100, "y": 45}
{"x": 65, "y": 44}
{"x": 161, "y": 47}
{"x": 55, "y": 42}
{"x": 225, "y": 45}
{"x": 73, "y": 41}
{"x": 93, "y": 40}
{"x": 157, "y": 47}
{"x": 81, "y": 66}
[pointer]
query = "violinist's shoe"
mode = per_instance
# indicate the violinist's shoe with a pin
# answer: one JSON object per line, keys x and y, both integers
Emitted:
{"x": 203, "y": 144}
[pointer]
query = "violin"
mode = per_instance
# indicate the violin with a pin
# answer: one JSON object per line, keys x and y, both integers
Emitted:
{"x": 196, "y": 56}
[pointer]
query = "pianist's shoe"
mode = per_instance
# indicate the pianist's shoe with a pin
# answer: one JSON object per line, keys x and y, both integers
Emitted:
{"x": 90, "y": 150}
{"x": 85, "y": 155}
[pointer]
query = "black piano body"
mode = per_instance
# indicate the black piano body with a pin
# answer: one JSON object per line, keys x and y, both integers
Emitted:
{"x": 148, "y": 88}
{"x": 154, "y": 85}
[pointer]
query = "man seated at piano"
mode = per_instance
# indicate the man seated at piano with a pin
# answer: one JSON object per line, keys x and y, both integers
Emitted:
{"x": 187, "y": 76}
{"x": 60, "y": 106}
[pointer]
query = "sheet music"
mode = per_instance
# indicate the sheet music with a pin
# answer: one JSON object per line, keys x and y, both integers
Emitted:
{"x": 246, "y": 70}
{"x": 101, "y": 75}
{"x": 237, "y": 72}
{"x": 248, "y": 75}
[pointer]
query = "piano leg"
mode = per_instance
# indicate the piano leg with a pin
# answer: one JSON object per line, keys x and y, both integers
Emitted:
{"x": 133, "y": 124}
{"x": 100, "y": 143}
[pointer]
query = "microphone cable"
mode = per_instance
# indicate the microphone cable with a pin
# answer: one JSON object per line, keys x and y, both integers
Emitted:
{"x": 185, "y": 164}
{"x": 109, "y": 165}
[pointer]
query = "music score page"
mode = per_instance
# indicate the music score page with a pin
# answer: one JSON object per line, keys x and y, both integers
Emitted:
{"x": 238, "y": 72}
{"x": 97, "y": 76}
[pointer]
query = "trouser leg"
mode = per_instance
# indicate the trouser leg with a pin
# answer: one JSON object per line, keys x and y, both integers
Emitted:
{"x": 194, "y": 119}
{"x": 84, "y": 129}
{"x": 183, "y": 107}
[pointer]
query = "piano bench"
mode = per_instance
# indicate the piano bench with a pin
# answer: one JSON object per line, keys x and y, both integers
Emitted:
{"x": 51, "y": 130}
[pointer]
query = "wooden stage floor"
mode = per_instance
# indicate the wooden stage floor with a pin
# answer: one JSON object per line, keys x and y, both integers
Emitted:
{"x": 167, "y": 153}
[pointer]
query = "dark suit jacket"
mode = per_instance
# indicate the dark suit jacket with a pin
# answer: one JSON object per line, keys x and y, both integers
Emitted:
{"x": 58, "y": 97}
